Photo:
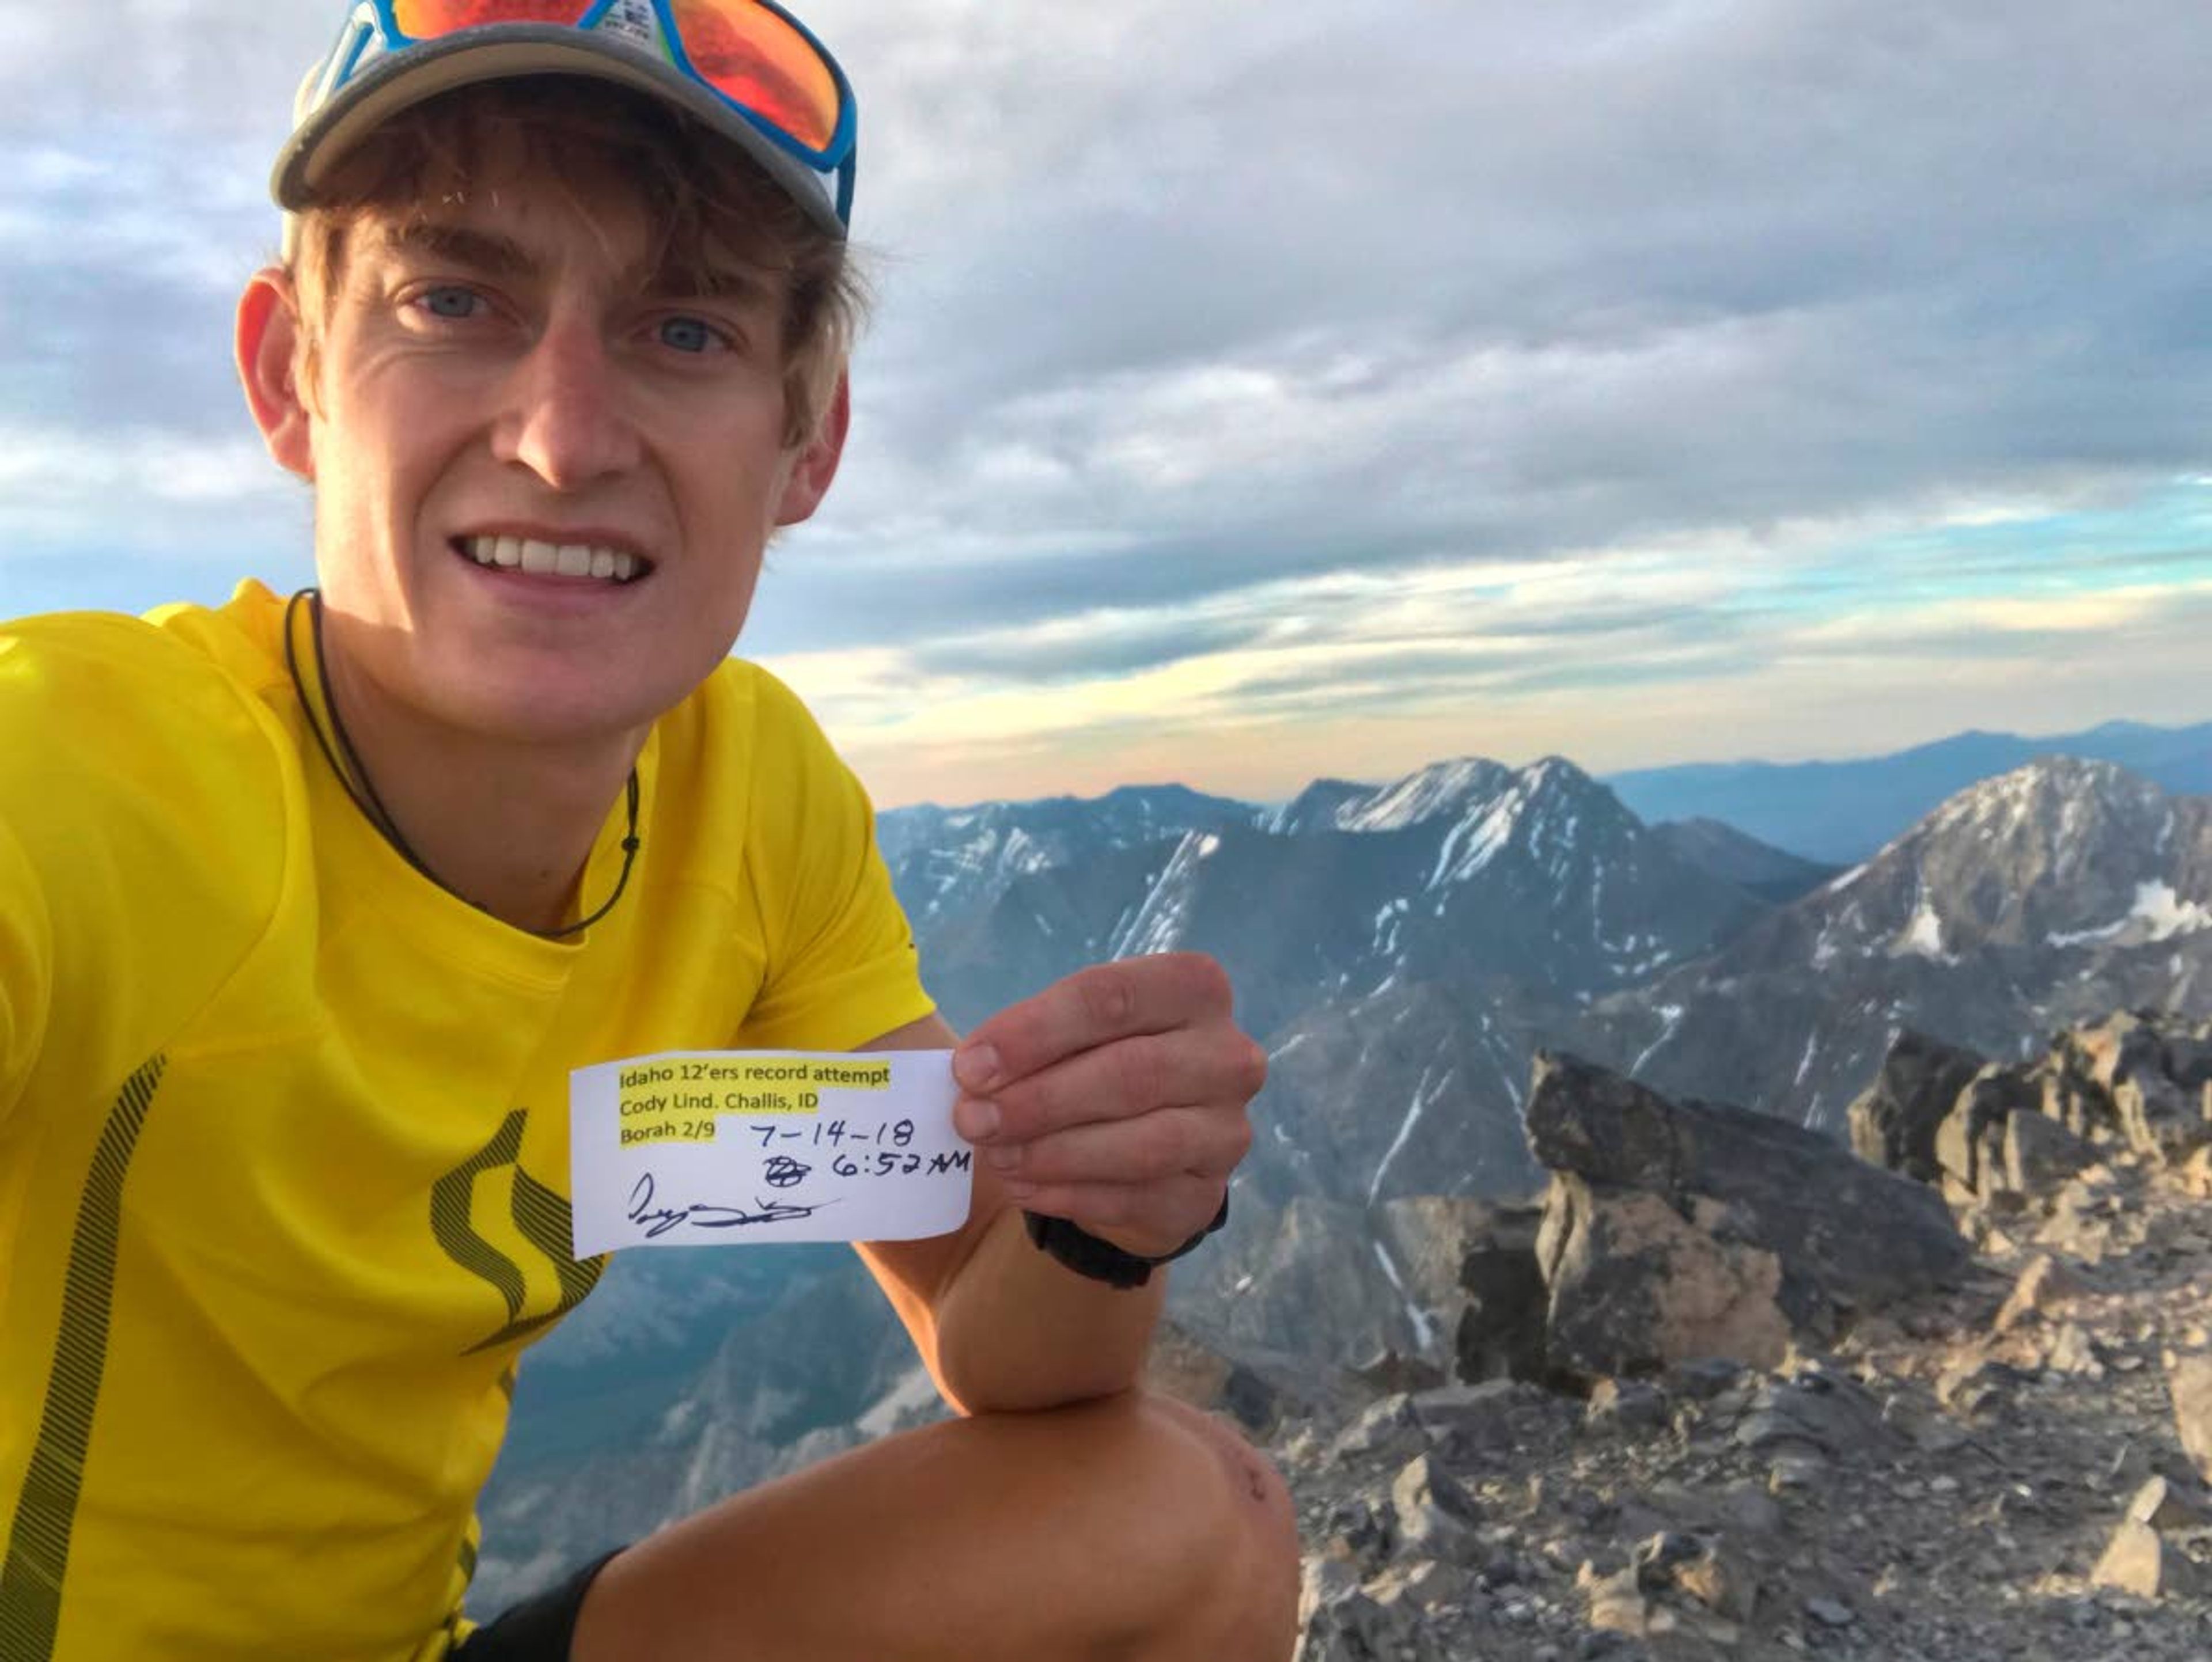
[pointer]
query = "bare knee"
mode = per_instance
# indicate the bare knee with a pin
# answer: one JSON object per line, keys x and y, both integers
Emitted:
{"x": 1222, "y": 1538}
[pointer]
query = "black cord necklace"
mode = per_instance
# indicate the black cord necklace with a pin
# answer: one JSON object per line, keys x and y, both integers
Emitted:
{"x": 363, "y": 796}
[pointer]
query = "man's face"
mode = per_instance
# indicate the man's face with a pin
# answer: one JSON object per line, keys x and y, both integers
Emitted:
{"x": 543, "y": 482}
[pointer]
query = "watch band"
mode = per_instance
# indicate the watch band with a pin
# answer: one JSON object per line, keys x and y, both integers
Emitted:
{"x": 1102, "y": 1260}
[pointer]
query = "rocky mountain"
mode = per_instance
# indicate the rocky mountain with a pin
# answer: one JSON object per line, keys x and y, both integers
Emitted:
{"x": 1744, "y": 1427}
{"x": 2024, "y": 903}
{"x": 1842, "y": 811}
{"x": 1767, "y": 871}
{"x": 947, "y": 861}
{"x": 1404, "y": 950}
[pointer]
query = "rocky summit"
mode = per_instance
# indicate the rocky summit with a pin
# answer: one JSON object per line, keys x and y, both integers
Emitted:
{"x": 1693, "y": 1420}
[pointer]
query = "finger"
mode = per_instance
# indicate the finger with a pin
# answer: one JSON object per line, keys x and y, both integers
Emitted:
{"x": 1089, "y": 1008}
{"x": 1166, "y": 1144}
{"x": 1148, "y": 1219}
{"x": 1212, "y": 1063}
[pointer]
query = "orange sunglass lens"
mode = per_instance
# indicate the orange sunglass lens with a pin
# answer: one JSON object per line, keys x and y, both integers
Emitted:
{"x": 425, "y": 20}
{"x": 748, "y": 53}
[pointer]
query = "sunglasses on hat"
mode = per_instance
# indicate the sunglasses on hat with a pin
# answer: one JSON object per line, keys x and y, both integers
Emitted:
{"x": 747, "y": 68}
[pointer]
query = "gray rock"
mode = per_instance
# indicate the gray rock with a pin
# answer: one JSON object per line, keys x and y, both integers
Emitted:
{"x": 1830, "y": 1413}
{"x": 2141, "y": 1561}
{"x": 1386, "y": 1430}
{"x": 2165, "y": 1505}
{"x": 1829, "y": 1613}
{"x": 1841, "y": 1231}
{"x": 1625, "y": 1405}
{"x": 2077, "y": 1103}
{"x": 2043, "y": 1284}
{"x": 1634, "y": 1286}
{"x": 2189, "y": 1379}
{"x": 1969, "y": 1142}
{"x": 2121, "y": 1046}
{"x": 1894, "y": 1123}
{"x": 1357, "y": 1628}
{"x": 1501, "y": 1327}
{"x": 1326, "y": 1581}
{"x": 2159, "y": 1118}
{"x": 1434, "y": 1512}
{"x": 1701, "y": 1379}
{"x": 2041, "y": 1155}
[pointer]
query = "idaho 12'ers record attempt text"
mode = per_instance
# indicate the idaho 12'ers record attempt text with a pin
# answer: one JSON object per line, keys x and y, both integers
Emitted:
{"x": 720, "y": 1147}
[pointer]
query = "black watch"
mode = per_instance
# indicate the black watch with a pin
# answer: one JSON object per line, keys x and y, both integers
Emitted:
{"x": 1102, "y": 1260}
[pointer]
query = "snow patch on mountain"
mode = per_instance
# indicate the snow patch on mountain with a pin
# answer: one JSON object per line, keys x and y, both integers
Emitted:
{"x": 2163, "y": 915}
{"x": 1924, "y": 934}
{"x": 1418, "y": 797}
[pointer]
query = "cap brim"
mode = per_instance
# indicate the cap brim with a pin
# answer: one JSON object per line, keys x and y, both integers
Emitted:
{"x": 501, "y": 52}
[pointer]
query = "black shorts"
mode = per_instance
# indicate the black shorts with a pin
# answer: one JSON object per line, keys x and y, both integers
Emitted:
{"x": 538, "y": 1628}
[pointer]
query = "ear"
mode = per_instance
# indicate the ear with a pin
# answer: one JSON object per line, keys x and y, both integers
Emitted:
{"x": 267, "y": 345}
{"x": 818, "y": 464}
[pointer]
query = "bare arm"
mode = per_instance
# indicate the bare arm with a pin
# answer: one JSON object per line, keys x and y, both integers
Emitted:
{"x": 1115, "y": 1099}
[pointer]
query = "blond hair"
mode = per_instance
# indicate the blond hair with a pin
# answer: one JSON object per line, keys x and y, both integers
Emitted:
{"x": 716, "y": 218}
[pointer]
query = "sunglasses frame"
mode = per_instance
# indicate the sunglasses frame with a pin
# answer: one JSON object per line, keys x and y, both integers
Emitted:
{"x": 351, "y": 52}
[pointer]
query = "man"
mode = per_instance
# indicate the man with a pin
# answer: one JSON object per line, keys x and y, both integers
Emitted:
{"x": 308, "y": 909}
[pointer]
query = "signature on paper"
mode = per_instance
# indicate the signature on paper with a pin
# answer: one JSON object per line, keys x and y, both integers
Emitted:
{"x": 701, "y": 1215}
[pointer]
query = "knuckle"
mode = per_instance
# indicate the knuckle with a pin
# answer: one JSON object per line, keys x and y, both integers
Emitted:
{"x": 1252, "y": 1067}
{"x": 1161, "y": 1147}
{"x": 1209, "y": 981}
{"x": 1107, "y": 997}
{"x": 1140, "y": 1074}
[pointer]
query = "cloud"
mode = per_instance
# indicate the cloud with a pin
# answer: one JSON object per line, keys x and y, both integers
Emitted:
{"x": 1232, "y": 352}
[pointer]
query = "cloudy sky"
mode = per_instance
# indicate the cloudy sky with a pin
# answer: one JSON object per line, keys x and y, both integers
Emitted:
{"x": 1266, "y": 389}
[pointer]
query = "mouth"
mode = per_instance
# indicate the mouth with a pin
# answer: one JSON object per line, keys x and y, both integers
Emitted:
{"x": 590, "y": 561}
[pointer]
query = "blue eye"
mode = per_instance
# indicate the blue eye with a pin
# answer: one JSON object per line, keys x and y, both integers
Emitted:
{"x": 688, "y": 334}
{"x": 450, "y": 302}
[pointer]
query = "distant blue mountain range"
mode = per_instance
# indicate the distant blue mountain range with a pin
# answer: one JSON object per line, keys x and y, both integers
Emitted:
{"x": 1844, "y": 811}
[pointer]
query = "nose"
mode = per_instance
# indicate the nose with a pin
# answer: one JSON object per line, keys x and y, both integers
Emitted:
{"x": 565, "y": 418}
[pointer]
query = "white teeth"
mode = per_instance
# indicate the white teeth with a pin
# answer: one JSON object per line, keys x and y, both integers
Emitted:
{"x": 554, "y": 559}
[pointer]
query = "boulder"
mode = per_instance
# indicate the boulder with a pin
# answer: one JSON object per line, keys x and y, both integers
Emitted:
{"x": 2141, "y": 1561}
{"x": 2120, "y": 1047}
{"x": 1894, "y": 1123}
{"x": 2041, "y": 1156}
{"x": 1634, "y": 1286}
{"x": 2075, "y": 1101}
{"x": 1434, "y": 1512}
{"x": 2189, "y": 1378}
{"x": 2165, "y": 1505}
{"x": 2159, "y": 1118}
{"x": 2189, "y": 1060}
{"x": 1752, "y": 1217}
{"x": 1355, "y": 1628}
{"x": 1969, "y": 1142}
{"x": 2041, "y": 1287}
{"x": 1625, "y": 1405}
{"x": 1501, "y": 1326}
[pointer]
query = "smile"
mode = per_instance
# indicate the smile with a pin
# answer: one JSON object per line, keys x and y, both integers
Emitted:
{"x": 554, "y": 559}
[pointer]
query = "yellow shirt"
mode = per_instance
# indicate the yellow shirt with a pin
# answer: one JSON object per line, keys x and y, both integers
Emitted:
{"x": 283, "y": 1127}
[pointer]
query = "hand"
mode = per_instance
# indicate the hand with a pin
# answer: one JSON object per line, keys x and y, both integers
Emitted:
{"x": 1115, "y": 1099}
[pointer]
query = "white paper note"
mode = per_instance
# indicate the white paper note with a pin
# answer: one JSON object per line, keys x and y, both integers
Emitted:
{"x": 723, "y": 1147}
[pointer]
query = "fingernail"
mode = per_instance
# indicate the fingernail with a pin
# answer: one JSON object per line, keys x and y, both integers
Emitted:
{"x": 1003, "y": 1159}
{"x": 976, "y": 1121}
{"x": 976, "y": 1067}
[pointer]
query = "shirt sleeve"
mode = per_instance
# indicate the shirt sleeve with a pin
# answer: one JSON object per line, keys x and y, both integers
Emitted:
{"x": 842, "y": 966}
{"x": 25, "y": 968}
